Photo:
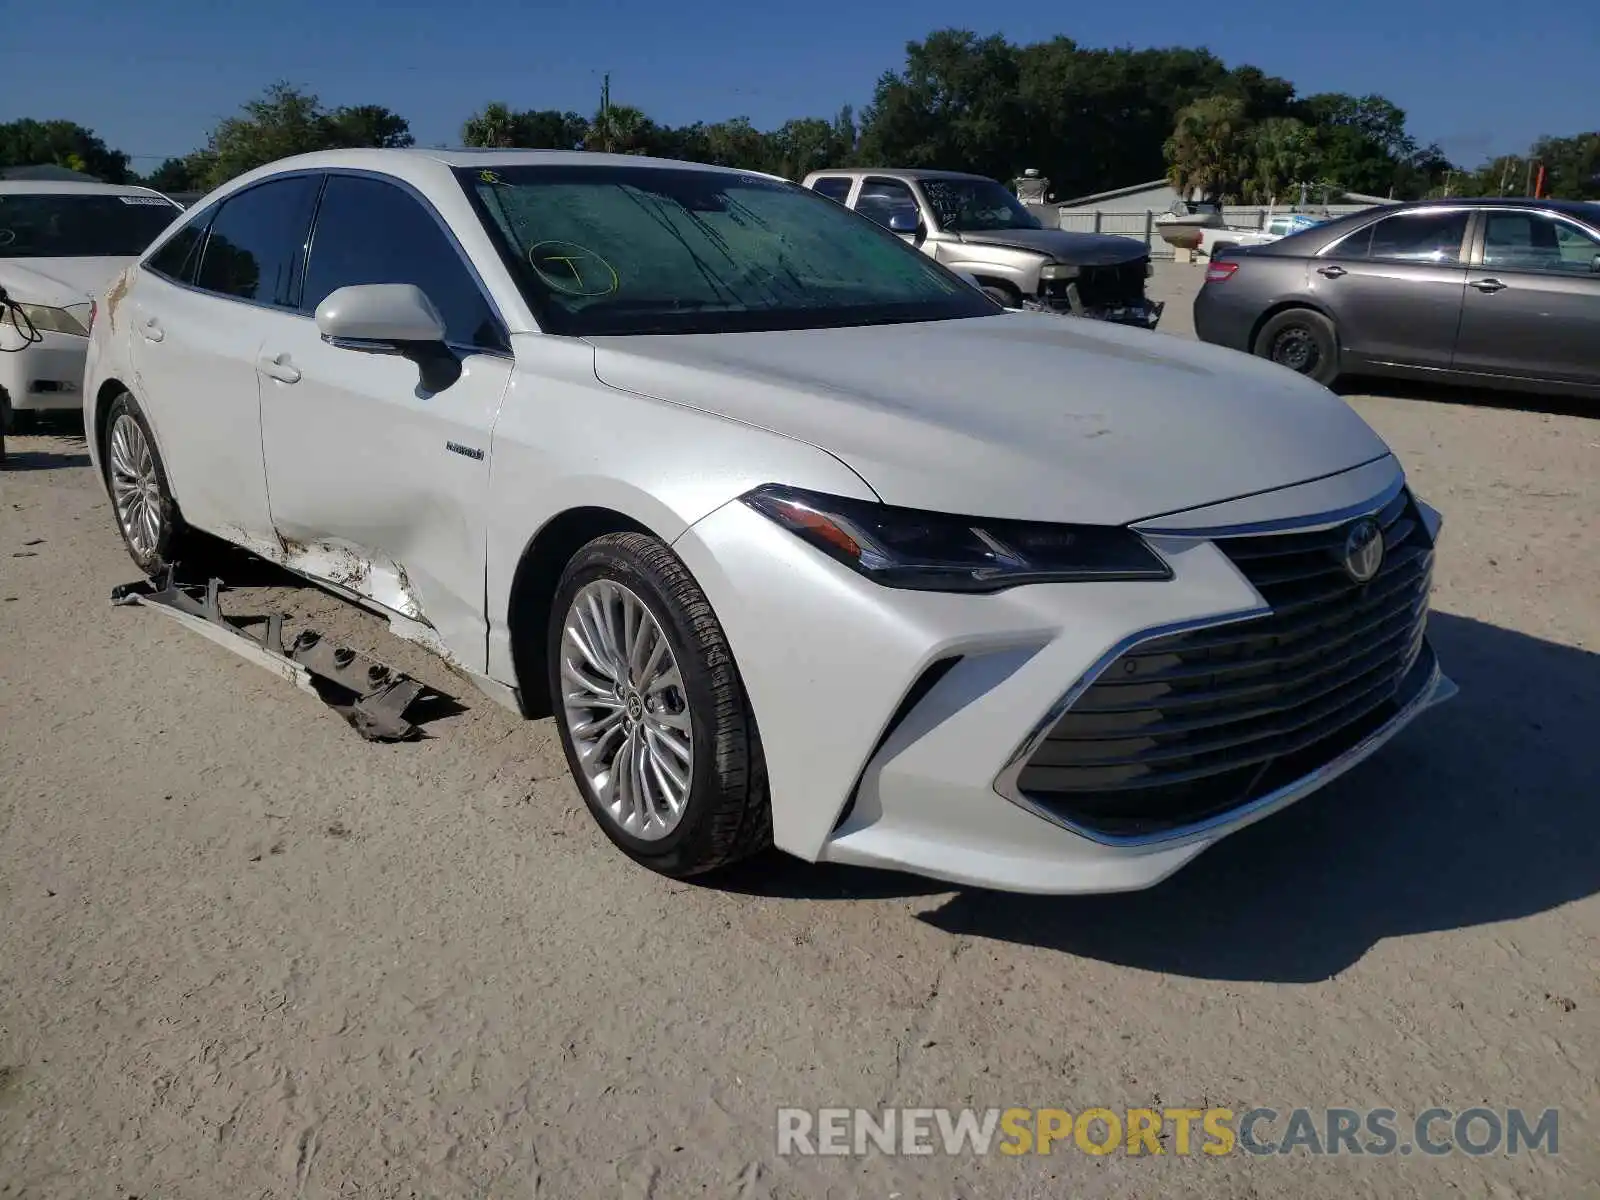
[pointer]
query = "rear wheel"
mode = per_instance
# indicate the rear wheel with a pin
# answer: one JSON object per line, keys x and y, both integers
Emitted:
{"x": 1303, "y": 340}
{"x": 152, "y": 528}
{"x": 651, "y": 711}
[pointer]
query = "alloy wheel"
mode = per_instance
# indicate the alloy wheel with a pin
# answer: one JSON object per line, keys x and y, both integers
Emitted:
{"x": 626, "y": 709}
{"x": 135, "y": 487}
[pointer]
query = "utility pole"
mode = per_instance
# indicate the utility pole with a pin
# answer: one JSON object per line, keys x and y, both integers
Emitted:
{"x": 1504, "y": 172}
{"x": 1527, "y": 188}
{"x": 605, "y": 109}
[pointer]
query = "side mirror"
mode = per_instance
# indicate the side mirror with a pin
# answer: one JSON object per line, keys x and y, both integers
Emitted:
{"x": 380, "y": 313}
{"x": 907, "y": 223}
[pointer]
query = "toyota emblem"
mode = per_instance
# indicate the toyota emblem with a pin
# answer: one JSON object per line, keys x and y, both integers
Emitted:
{"x": 1363, "y": 550}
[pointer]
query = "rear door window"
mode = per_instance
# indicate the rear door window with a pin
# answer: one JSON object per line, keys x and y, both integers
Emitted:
{"x": 1424, "y": 238}
{"x": 257, "y": 242}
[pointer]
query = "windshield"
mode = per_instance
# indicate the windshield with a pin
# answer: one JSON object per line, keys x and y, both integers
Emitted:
{"x": 628, "y": 250}
{"x": 68, "y": 225}
{"x": 976, "y": 205}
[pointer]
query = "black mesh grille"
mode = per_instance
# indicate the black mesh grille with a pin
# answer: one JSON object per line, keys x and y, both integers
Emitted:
{"x": 1119, "y": 284}
{"x": 1192, "y": 724}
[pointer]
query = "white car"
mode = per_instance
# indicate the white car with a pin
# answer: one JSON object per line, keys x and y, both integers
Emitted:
{"x": 800, "y": 538}
{"x": 60, "y": 245}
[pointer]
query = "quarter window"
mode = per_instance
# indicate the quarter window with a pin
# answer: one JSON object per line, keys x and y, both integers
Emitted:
{"x": 369, "y": 231}
{"x": 1536, "y": 242}
{"x": 833, "y": 187}
{"x": 176, "y": 259}
{"x": 1424, "y": 238}
{"x": 257, "y": 242}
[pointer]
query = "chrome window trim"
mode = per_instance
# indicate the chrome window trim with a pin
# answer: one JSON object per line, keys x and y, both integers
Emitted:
{"x": 1332, "y": 248}
{"x": 1437, "y": 690}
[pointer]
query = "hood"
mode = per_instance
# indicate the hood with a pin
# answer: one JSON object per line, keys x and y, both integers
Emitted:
{"x": 1025, "y": 415}
{"x": 59, "y": 282}
{"x": 1076, "y": 249}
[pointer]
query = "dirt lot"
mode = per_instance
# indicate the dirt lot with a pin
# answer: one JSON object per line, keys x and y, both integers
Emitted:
{"x": 245, "y": 954}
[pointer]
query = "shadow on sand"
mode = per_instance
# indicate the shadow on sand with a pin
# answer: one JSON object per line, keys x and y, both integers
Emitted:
{"x": 1484, "y": 810}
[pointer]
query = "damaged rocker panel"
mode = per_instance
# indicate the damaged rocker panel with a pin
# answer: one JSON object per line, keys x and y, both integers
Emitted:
{"x": 381, "y": 695}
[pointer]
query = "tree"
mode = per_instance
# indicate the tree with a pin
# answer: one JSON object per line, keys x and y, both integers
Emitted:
{"x": 954, "y": 105}
{"x": 1206, "y": 152}
{"x": 620, "y": 129}
{"x": 544, "y": 129}
{"x": 1281, "y": 154}
{"x": 287, "y": 121}
{"x": 178, "y": 175}
{"x": 370, "y": 125}
{"x": 1571, "y": 165}
{"x": 30, "y": 143}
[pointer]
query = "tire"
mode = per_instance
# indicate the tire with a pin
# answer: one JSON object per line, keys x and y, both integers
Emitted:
{"x": 1303, "y": 340}
{"x": 1004, "y": 297}
{"x": 125, "y": 469}
{"x": 1220, "y": 247}
{"x": 724, "y": 813}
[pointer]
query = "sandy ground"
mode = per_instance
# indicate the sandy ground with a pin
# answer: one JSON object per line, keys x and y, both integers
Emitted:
{"x": 245, "y": 954}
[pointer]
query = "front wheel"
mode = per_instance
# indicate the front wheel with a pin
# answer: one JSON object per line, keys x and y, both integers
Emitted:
{"x": 652, "y": 714}
{"x": 1303, "y": 340}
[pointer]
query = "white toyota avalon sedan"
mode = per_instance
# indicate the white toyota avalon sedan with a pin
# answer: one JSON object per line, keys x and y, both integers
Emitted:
{"x": 60, "y": 245}
{"x": 798, "y": 536}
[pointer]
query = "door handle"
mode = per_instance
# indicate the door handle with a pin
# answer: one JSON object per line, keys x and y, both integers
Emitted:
{"x": 1333, "y": 272}
{"x": 279, "y": 367}
{"x": 151, "y": 330}
{"x": 1487, "y": 286}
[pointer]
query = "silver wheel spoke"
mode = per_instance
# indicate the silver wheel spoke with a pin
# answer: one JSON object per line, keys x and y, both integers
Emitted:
{"x": 626, "y": 710}
{"x": 135, "y": 487}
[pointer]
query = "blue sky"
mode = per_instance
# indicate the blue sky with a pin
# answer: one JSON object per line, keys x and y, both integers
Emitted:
{"x": 152, "y": 77}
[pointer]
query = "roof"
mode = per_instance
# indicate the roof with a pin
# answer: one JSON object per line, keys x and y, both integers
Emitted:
{"x": 1587, "y": 209}
{"x": 903, "y": 173}
{"x": 1117, "y": 193}
{"x": 17, "y": 187}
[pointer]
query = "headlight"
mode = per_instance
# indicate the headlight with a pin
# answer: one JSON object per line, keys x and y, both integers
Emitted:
{"x": 1058, "y": 271}
{"x": 905, "y": 548}
{"x": 48, "y": 320}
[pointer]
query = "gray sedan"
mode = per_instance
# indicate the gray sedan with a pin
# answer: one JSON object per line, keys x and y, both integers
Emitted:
{"x": 1498, "y": 293}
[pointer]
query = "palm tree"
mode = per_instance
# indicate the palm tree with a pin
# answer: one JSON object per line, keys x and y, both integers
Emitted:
{"x": 1280, "y": 158}
{"x": 494, "y": 128}
{"x": 1203, "y": 153}
{"x": 618, "y": 129}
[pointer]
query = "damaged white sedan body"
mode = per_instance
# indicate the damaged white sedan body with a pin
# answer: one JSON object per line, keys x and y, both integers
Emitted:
{"x": 799, "y": 537}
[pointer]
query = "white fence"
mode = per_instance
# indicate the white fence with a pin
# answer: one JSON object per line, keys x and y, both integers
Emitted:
{"x": 1141, "y": 225}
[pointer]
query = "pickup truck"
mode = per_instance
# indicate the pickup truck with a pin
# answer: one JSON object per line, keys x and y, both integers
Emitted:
{"x": 1279, "y": 225}
{"x": 976, "y": 227}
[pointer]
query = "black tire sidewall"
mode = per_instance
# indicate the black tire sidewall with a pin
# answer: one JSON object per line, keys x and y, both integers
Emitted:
{"x": 171, "y": 519}
{"x": 722, "y": 750}
{"x": 1004, "y": 297}
{"x": 1322, "y": 332}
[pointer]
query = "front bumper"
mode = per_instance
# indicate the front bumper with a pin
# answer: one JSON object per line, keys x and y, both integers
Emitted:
{"x": 893, "y": 722}
{"x": 1143, "y": 314}
{"x": 47, "y": 375}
